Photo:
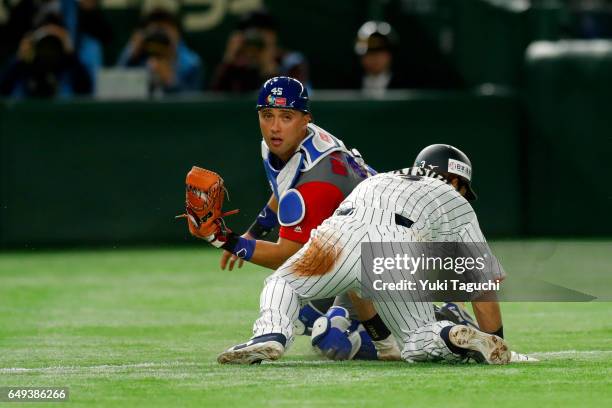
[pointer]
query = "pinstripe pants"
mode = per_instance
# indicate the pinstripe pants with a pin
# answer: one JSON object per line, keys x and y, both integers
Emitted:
{"x": 412, "y": 322}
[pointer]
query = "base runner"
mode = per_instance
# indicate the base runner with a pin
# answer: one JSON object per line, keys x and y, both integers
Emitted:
{"x": 425, "y": 203}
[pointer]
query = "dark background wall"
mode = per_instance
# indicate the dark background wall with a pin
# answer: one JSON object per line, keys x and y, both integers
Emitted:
{"x": 568, "y": 144}
{"x": 104, "y": 173}
{"x": 86, "y": 172}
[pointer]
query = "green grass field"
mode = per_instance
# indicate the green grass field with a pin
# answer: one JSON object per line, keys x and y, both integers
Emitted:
{"x": 143, "y": 328}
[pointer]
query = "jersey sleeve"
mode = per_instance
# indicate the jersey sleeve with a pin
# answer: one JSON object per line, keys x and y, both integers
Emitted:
{"x": 472, "y": 244}
{"x": 320, "y": 201}
{"x": 471, "y": 231}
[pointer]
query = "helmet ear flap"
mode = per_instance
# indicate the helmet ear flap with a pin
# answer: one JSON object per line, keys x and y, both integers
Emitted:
{"x": 460, "y": 182}
{"x": 470, "y": 195}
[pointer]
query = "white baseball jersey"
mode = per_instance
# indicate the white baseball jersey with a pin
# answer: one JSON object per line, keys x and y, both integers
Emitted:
{"x": 436, "y": 213}
{"x": 439, "y": 212}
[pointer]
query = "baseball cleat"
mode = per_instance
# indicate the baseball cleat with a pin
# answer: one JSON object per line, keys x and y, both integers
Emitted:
{"x": 254, "y": 351}
{"x": 456, "y": 313}
{"x": 483, "y": 347}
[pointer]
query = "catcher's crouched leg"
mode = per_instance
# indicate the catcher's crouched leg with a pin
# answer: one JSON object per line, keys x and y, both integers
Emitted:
{"x": 309, "y": 313}
{"x": 337, "y": 337}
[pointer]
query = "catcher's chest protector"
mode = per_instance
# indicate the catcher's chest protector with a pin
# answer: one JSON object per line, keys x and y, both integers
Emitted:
{"x": 318, "y": 145}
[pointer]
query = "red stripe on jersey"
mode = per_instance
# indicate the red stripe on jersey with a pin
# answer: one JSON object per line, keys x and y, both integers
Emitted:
{"x": 338, "y": 165}
{"x": 321, "y": 200}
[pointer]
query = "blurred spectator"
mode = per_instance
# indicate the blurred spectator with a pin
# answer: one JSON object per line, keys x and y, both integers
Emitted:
{"x": 87, "y": 29}
{"x": 375, "y": 46}
{"x": 92, "y": 22}
{"x": 253, "y": 55}
{"x": 46, "y": 64}
{"x": 23, "y": 14}
{"x": 94, "y": 32}
{"x": 158, "y": 46}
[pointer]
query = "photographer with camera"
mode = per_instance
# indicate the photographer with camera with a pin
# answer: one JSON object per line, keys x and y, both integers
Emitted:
{"x": 46, "y": 64}
{"x": 158, "y": 46}
{"x": 252, "y": 56}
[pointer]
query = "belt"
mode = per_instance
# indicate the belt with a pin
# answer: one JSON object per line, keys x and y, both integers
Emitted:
{"x": 375, "y": 216}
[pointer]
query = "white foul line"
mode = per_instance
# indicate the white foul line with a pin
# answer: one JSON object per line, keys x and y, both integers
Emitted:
{"x": 553, "y": 355}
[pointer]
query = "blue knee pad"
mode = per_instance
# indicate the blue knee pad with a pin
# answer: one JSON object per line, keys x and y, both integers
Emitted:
{"x": 367, "y": 351}
{"x": 331, "y": 335}
{"x": 306, "y": 318}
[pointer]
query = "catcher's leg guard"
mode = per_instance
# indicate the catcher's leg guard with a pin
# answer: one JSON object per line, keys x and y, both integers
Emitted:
{"x": 331, "y": 335}
{"x": 367, "y": 351}
{"x": 306, "y": 318}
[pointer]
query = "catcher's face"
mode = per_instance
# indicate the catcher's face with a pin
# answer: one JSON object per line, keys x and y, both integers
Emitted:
{"x": 283, "y": 130}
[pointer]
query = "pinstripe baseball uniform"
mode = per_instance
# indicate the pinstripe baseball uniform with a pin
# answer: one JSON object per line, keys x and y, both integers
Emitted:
{"x": 436, "y": 213}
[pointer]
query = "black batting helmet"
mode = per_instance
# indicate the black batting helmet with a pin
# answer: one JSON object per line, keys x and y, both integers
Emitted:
{"x": 447, "y": 159}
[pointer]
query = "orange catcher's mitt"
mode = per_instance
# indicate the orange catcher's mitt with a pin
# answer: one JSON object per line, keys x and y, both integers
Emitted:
{"x": 204, "y": 196}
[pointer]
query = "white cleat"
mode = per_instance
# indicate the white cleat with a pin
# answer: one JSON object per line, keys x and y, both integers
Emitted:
{"x": 254, "y": 351}
{"x": 522, "y": 358}
{"x": 484, "y": 348}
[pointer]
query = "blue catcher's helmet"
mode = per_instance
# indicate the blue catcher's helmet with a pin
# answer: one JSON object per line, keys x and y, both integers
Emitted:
{"x": 283, "y": 92}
